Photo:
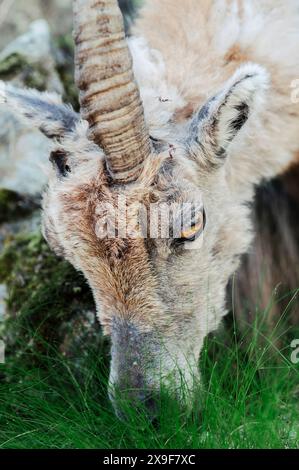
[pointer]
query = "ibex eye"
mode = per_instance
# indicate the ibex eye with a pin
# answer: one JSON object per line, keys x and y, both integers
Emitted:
{"x": 59, "y": 159}
{"x": 191, "y": 233}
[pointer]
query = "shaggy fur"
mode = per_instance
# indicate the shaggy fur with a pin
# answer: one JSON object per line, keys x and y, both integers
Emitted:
{"x": 214, "y": 78}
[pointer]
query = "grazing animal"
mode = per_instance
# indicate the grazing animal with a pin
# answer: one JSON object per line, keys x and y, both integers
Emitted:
{"x": 202, "y": 115}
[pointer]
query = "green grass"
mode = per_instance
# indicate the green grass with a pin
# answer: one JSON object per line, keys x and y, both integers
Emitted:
{"x": 249, "y": 399}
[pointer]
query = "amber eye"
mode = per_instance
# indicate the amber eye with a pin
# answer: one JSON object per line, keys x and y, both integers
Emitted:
{"x": 192, "y": 233}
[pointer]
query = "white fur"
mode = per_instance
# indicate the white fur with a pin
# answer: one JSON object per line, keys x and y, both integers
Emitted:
{"x": 159, "y": 99}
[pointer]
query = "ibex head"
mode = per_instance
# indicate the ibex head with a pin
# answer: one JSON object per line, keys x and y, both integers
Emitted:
{"x": 157, "y": 295}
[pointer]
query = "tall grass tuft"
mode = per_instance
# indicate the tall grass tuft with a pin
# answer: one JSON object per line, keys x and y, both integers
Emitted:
{"x": 248, "y": 399}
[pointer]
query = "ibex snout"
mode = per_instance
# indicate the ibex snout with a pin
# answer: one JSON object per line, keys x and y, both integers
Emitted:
{"x": 144, "y": 401}
{"x": 133, "y": 365}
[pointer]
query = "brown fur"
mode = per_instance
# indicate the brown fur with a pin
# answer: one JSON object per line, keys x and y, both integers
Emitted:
{"x": 235, "y": 54}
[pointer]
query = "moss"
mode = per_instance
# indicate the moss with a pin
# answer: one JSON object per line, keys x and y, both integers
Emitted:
{"x": 14, "y": 206}
{"x": 11, "y": 65}
{"x": 32, "y": 75}
{"x": 35, "y": 76}
{"x": 46, "y": 300}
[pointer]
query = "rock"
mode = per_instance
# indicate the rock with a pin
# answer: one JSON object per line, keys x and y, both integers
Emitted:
{"x": 31, "y": 56}
{"x": 38, "y": 292}
{"x": 28, "y": 61}
{"x": 32, "y": 45}
{"x": 15, "y": 17}
{"x": 18, "y": 215}
{"x": 23, "y": 158}
{"x": 64, "y": 48}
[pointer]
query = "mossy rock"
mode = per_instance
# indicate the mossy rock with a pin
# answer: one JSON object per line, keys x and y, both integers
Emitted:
{"x": 13, "y": 206}
{"x": 32, "y": 75}
{"x": 49, "y": 303}
{"x": 12, "y": 65}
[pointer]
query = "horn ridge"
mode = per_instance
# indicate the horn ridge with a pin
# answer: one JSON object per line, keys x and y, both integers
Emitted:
{"x": 109, "y": 96}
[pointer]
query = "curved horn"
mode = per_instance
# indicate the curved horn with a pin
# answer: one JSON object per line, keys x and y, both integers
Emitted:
{"x": 109, "y": 95}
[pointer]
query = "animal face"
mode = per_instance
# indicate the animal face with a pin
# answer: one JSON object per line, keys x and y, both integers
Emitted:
{"x": 157, "y": 298}
{"x": 157, "y": 293}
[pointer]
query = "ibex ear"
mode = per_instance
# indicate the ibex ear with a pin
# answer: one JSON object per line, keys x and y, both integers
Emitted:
{"x": 218, "y": 122}
{"x": 44, "y": 111}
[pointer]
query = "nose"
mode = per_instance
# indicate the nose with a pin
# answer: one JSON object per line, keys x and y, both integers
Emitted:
{"x": 132, "y": 369}
{"x": 126, "y": 402}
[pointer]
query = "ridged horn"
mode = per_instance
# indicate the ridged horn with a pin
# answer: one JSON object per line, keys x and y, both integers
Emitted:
{"x": 109, "y": 96}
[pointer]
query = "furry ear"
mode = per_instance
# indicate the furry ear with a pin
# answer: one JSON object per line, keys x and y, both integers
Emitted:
{"x": 218, "y": 122}
{"x": 44, "y": 111}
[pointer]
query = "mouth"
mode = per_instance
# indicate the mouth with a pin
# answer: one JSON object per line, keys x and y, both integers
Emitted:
{"x": 146, "y": 403}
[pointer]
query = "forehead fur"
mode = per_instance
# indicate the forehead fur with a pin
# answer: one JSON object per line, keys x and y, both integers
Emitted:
{"x": 118, "y": 269}
{"x": 162, "y": 169}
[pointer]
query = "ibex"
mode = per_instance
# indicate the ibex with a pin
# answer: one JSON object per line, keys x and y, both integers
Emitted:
{"x": 196, "y": 107}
